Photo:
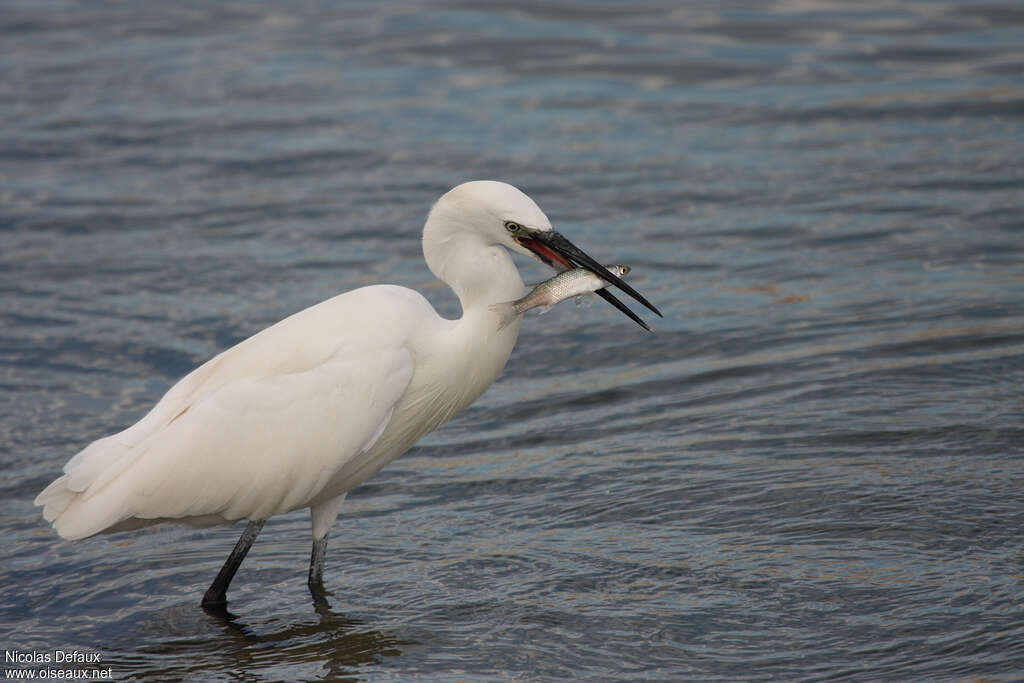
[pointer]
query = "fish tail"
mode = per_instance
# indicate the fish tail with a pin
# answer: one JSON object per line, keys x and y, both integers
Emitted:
{"x": 506, "y": 312}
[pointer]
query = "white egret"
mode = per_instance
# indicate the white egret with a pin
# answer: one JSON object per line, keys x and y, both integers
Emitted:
{"x": 309, "y": 408}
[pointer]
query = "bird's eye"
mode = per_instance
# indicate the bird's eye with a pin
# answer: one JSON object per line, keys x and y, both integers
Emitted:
{"x": 513, "y": 227}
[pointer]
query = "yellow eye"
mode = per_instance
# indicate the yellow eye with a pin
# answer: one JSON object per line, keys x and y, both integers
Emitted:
{"x": 513, "y": 227}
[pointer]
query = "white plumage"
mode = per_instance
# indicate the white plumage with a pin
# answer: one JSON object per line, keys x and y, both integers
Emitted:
{"x": 300, "y": 413}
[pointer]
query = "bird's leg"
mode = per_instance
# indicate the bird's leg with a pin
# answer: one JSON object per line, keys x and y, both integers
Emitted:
{"x": 216, "y": 594}
{"x": 323, "y": 516}
{"x": 316, "y": 567}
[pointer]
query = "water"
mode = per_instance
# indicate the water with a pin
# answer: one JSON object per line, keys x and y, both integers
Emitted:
{"x": 812, "y": 470}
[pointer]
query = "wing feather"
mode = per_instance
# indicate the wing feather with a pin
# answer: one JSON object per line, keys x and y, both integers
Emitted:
{"x": 256, "y": 431}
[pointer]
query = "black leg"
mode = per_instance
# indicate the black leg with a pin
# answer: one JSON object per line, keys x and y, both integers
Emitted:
{"x": 216, "y": 594}
{"x": 316, "y": 563}
{"x": 316, "y": 570}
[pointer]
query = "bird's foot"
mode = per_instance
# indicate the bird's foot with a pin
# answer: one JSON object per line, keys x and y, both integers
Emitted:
{"x": 216, "y": 604}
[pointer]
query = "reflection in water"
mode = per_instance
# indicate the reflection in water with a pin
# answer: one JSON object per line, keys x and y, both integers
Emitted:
{"x": 183, "y": 642}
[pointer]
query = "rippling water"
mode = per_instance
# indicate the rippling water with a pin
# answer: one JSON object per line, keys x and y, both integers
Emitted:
{"x": 812, "y": 470}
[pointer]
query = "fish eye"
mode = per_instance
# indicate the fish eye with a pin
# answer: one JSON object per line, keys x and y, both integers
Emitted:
{"x": 513, "y": 227}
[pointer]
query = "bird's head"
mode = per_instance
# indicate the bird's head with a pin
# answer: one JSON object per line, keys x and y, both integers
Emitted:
{"x": 499, "y": 213}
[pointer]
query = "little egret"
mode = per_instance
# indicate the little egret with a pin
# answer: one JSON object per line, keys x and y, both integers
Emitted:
{"x": 302, "y": 412}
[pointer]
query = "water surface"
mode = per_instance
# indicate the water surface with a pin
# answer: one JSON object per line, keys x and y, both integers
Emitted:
{"x": 812, "y": 470}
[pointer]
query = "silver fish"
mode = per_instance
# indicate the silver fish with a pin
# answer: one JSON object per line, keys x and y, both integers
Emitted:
{"x": 565, "y": 285}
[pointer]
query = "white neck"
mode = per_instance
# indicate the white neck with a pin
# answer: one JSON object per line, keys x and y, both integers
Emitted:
{"x": 480, "y": 273}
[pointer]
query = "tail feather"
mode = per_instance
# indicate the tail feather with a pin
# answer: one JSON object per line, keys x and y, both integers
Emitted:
{"x": 70, "y": 502}
{"x": 55, "y": 498}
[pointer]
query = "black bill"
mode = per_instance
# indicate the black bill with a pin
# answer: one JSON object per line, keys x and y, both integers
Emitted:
{"x": 558, "y": 252}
